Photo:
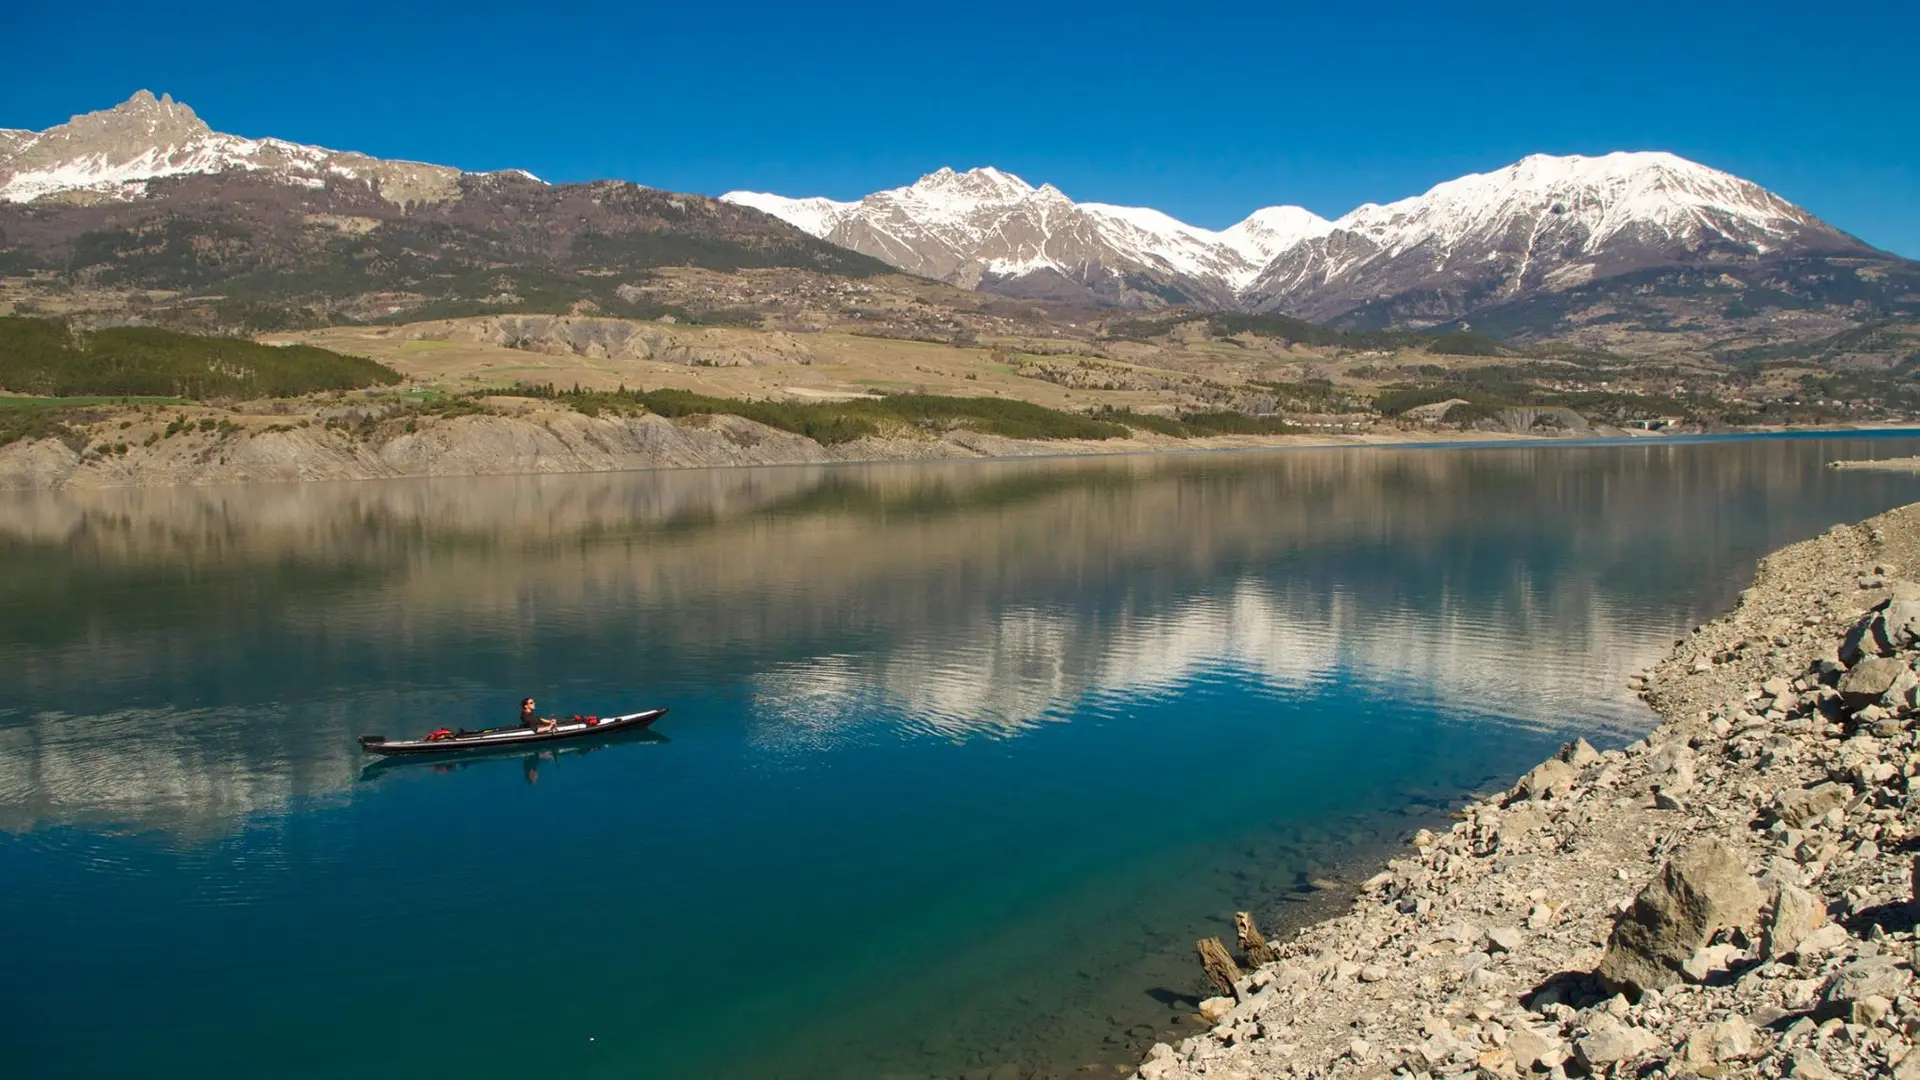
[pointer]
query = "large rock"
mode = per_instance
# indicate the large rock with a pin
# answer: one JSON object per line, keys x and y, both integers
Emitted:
{"x": 1796, "y": 913}
{"x": 1550, "y": 777}
{"x": 1868, "y": 680}
{"x": 1536, "y": 1049}
{"x": 1869, "y": 976}
{"x": 1579, "y": 754}
{"x": 1711, "y": 1048}
{"x": 1613, "y": 1043}
{"x": 1899, "y": 624}
{"x": 1799, "y": 807}
{"x": 1806, "y": 1065}
{"x": 1160, "y": 1062}
{"x": 1215, "y": 1009}
{"x": 1892, "y": 625}
{"x": 1700, "y": 891}
{"x": 1900, "y": 694}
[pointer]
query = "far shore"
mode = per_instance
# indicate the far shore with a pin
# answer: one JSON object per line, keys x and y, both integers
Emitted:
{"x": 1899, "y": 464}
{"x": 540, "y": 439}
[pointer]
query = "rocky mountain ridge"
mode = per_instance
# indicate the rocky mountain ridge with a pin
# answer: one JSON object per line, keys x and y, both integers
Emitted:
{"x": 116, "y": 153}
{"x": 1634, "y": 253}
{"x": 1542, "y": 224}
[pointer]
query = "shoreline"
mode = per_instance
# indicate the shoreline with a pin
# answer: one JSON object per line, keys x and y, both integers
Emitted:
{"x": 1899, "y": 464}
{"x": 543, "y": 441}
{"x": 1732, "y": 895}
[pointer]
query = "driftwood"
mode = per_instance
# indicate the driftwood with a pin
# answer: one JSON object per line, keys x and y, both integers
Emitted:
{"x": 1219, "y": 965}
{"x": 1252, "y": 942}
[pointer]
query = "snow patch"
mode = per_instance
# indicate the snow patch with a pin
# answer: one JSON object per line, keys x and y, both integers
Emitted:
{"x": 816, "y": 215}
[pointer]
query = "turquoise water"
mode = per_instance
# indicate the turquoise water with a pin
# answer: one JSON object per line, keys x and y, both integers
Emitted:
{"x": 961, "y": 758}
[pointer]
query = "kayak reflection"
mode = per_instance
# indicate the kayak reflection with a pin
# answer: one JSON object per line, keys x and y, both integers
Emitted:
{"x": 530, "y": 763}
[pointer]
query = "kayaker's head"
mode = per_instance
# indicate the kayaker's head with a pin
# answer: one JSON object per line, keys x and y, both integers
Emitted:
{"x": 526, "y": 706}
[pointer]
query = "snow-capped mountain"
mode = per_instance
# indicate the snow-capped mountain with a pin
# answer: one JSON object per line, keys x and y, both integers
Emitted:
{"x": 988, "y": 228}
{"x": 1549, "y": 234}
{"x": 114, "y": 153}
{"x": 1542, "y": 223}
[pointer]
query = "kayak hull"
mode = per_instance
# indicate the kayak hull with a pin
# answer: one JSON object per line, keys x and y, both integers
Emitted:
{"x": 510, "y": 736}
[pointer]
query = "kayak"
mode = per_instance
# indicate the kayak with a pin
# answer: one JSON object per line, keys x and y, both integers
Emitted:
{"x": 577, "y": 727}
{"x": 394, "y": 764}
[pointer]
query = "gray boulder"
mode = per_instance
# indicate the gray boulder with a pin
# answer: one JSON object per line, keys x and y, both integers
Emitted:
{"x": 1612, "y": 1043}
{"x": 1796, "y": 913}
{"x": 1869, "y": 976}
{"x": 1550, "y": 777}
{"x": 1714, "y": 1046}
{"x": 1900, "y": 694}
{"x": 1504, "y": 939}
{"x": 1700, "y": 891}
{"x": 1536, "y": 1049}
{"x": 1806, "y": 1065}
{"x": 1892, "y": 625}
{"x": 1859, "y": 642}
{"x": 1866, "y": 681}
{"x": 1899, "y": 625}
{"x": 1579, "y": 753}
{"x": 1798, "y": 807}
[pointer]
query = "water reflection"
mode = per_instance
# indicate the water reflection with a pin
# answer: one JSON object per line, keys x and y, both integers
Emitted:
{"x": 1563, "y": 656}
{"x": 186, "y": 660}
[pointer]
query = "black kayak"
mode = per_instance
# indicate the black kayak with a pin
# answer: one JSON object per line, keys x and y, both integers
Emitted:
{"x": 578, "y": 727}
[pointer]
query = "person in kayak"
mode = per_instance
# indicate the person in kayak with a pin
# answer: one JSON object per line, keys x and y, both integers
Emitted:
{"x": 537, "y": 723}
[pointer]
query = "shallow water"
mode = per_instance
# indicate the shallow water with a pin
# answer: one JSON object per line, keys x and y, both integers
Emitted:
{"x": 961, "y": 758}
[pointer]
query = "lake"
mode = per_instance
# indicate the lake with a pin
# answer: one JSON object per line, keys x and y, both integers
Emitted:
{"x": 961, "y": 758}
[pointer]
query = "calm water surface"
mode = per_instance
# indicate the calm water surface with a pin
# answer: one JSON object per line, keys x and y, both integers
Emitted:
{"x": 961, "y": 758}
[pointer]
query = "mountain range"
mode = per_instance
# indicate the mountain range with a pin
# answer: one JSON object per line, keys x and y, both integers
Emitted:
{"x": 1542, "y": 224}
{"x": 146, "y": 195}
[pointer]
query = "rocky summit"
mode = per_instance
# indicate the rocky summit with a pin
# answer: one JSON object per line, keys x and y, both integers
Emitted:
{"x": 117, "y": 153}
{"x": 1731, "y": 896}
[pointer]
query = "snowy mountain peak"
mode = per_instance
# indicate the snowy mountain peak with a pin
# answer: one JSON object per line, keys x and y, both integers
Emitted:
{"x": 1598, "y": 197}
{"x": 1271, "y": 230}
{"x": 982, "y": 184}
{"x": 985, "y": 223}
{"x": 947, "y": 192}
{"x": 1542, "y": 224}
{"x": 114, "y": 153}
{"x": 816, "y": 215}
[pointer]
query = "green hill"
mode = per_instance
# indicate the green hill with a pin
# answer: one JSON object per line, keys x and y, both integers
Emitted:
{"x": 48, "y": 358}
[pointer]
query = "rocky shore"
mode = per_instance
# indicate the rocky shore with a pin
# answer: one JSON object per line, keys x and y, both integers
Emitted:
{"x": 1732, "y": 896}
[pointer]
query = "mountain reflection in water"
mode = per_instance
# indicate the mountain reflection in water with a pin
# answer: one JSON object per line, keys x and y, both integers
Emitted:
{"x": 182, "y": 659}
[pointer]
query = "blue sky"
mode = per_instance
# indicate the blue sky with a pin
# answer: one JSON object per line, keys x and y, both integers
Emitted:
{"x": 1201, "y": 109}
